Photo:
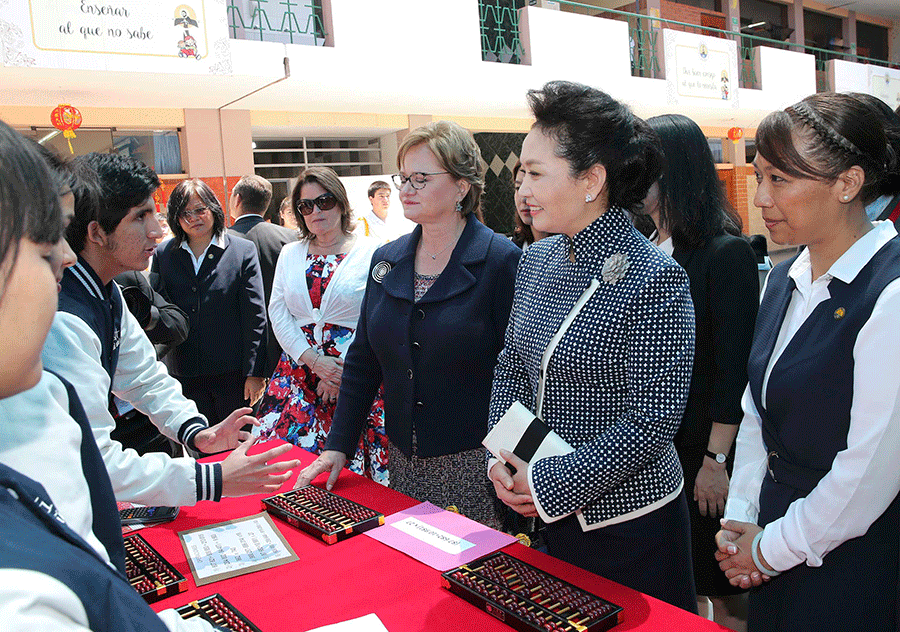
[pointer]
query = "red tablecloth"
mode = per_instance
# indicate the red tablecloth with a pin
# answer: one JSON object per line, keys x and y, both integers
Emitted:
{"x": 360, "y": 575}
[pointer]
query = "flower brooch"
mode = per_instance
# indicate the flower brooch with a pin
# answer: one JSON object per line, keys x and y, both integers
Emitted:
{"x": 614, "y": 268}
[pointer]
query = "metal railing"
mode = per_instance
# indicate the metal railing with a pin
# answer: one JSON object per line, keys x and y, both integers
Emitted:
{"x": 501, "y": 41}
{"x": 267, "y": 21}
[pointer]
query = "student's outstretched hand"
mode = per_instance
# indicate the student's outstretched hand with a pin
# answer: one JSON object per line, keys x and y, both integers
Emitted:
{"x": 227, "y": 434}
{"x": 244, "y": 475}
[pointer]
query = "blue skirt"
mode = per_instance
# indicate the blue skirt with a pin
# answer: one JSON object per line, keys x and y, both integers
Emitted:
{"x": 650, "y": 554}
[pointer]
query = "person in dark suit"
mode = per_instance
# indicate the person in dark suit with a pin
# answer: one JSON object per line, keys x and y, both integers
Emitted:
{"x": 249, "y": 200}
{"x": 884, "y": 202}
{"x": 433, "y": 317}
{"x": 216, "y": 280}
{"x": 697, "y": 227}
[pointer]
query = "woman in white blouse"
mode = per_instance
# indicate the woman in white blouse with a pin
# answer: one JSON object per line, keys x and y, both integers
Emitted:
{"x": 316, "y": 296}
{"x": 813, "y": 514}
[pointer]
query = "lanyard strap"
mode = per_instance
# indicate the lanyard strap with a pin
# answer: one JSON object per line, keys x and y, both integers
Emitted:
{"x": 551, "y": 346}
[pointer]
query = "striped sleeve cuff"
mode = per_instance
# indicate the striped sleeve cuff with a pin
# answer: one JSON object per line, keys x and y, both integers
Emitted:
{"x": 188, "y": 431}
{"x": 209, "y": 481}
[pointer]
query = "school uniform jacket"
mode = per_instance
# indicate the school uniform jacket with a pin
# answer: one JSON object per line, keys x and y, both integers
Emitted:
{"x": 97, "y": 345}
{"x": 436, "y": 357}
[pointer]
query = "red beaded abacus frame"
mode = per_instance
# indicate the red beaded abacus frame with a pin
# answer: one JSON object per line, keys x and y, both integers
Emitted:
{"x": 149, "y": 572}
{"x": 527, "y": 598}
{"x": 219, "y": 612}
{"x": 322, "y": 513}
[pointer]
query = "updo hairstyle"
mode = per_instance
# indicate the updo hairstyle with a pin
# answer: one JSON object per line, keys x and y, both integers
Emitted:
{"x": 591, "y": 127}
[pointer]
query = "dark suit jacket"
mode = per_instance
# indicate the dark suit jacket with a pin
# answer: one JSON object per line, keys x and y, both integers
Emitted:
{"x": 436, "y": 357}
{"x": 269, "y": 240}
{"x": 167, "y": 326}
{"x": 725, "y": 289}
{"x": 225, "y": 305}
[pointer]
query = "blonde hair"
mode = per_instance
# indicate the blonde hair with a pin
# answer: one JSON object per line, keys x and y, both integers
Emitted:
{"x": 456, "y": 151}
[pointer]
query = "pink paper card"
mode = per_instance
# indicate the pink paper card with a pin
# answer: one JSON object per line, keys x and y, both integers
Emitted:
{"x": 442, "y": 539}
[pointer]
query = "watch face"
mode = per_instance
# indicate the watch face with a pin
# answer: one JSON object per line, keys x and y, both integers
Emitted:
{"x": 720, "y": 458}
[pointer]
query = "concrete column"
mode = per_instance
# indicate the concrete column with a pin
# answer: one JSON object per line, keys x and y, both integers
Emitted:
{"x": 217, "y": 147}
{"x": 894, "y": 44}
{"x": 389, "y": 145}
{"x": 849, "y": 32}
{"x": 795, "y": 21}
{"x": 653, "y": 8}
{"x": 732, "y": 16}
{"x": 734, "y": 153}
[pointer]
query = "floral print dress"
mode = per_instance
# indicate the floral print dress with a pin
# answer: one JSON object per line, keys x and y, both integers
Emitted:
{"x": 291, "y": 409}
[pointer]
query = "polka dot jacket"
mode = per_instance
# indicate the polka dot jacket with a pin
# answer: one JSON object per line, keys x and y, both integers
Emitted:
{"x": 618, "y": 381}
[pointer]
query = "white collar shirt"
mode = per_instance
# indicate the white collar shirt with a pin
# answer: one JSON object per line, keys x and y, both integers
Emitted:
{"x": 863, "y": 479}
{"x": 217, "y": 240}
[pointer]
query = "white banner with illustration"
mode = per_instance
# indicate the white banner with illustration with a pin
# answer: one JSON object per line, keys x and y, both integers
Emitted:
{"x": 167, "y": 36}
{"x": 700, "y": 70}
{"x": 884, "y": 83}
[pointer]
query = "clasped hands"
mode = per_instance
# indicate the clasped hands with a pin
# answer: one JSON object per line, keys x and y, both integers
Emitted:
{"x": 513, "y": 489}
{"x": 734, "y": 542}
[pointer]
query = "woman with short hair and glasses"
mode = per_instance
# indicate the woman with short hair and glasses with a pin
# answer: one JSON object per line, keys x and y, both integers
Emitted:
{"x": 433, "y": 318}
{"x": 216, "y": 280}
{"x": 316, "y": 296}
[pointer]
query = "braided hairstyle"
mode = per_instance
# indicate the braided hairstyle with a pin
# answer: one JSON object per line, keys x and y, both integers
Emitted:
{"x": 824, "y": 135}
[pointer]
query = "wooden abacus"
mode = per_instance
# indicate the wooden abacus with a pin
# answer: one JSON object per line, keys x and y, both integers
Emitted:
{"x": 322, "y": 513}
{"x": 219, "y": 612}
{"x": 527, "y": 598}
{"x": 149, "y": 572}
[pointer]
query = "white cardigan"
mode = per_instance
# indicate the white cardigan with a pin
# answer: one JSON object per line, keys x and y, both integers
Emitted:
{"x": 290, "y": 307}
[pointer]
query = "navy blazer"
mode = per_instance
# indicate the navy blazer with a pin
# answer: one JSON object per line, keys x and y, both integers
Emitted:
{"x": 435, "y": 357}
{"x": 225, "y": 305}
{"x": 269, "y": 240}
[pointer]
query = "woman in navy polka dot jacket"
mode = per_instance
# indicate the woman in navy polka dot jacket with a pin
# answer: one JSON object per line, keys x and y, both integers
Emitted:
{"x": 617, "y": 383}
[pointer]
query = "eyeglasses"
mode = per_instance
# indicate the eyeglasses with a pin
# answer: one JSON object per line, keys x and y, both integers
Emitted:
{"x": 416, "y": 179}
{"x": 200, "y": 211}
{"x": 325, "y": 202}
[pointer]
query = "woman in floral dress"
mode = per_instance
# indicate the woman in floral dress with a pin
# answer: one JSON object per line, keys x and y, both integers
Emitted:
{"x": 316, "y": 296}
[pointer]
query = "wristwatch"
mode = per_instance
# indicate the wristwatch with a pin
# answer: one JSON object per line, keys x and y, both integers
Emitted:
{"x": 717, "y": 457}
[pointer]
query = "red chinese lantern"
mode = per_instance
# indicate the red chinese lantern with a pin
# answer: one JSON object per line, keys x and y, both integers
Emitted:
{"x": 66, "y": 119}
{"x": 735, "y": 134}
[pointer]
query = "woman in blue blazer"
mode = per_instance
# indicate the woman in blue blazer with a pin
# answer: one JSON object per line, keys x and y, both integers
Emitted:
{"x": 432, "y": 323}
{"x": 216, "y": 280}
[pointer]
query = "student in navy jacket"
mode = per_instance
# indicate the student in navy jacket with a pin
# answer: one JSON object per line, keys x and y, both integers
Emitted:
{"x": 814, "y": 511}
{"x": 51, "y": 571}
{"x": 432, "y": 323}
{"x": 216, "y": 280}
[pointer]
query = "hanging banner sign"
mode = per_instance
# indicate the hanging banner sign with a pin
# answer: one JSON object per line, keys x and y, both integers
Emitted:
{"x": 700, "y": 70}
{"x": 884, "y": 83}
{"x": 131, "y": 35}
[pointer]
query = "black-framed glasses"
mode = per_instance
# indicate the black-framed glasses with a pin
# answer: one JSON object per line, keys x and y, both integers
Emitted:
{"x": 190, "y": 214}
{"x": 325, "y": 202}
{"x": 417, "y": 179}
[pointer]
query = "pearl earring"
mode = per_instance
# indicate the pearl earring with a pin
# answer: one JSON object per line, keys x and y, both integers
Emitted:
{"x": 846, "y": 197}
{"x": 588, "y": 198}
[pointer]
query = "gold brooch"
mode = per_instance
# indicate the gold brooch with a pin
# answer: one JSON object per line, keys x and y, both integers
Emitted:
{"x": 452, "y": 508}
{"x": 523, "y": 539}
{"x": 839, "y": 313}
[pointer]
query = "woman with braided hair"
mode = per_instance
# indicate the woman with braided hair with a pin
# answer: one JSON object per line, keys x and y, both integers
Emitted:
{"x": 813, "y": 513}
